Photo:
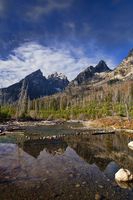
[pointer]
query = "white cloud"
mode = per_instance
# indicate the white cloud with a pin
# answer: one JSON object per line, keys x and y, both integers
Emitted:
{"x": 32, "y": 56}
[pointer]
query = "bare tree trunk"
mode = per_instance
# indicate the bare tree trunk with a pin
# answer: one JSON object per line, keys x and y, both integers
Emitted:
{"x": 127, "y": 113}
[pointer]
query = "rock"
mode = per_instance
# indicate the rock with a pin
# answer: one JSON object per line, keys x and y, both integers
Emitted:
{"x": 100, "y": 186}
{"x": 90, "y": 73}
{"x": 54, "y": 136}
{"x": 1, "y": 130}
{"x": 125, "y": 185}
{"x": 71, "y": 175}
{"x": 123, "y": 175}
{"x": 98, "y": 196}
{"x": 83, "y": 183}
{"x": 130, "y": 145}
{"x": 45, "y": 179}
{"x": 77, "y": 185}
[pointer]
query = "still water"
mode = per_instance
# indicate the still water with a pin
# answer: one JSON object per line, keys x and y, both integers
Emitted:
{"x": 77, "y": 166}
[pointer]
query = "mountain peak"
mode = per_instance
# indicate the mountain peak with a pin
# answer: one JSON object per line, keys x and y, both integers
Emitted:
{"x": 35, "y": 85}
{"x": 59, "y": 81}
{"x": 57, "y": 76}
{"x": 84, "y": 76}
{"x": 36, "y": 74}
{"x": 89, "y": 69}
{"x": 90, "y": 73}
{"x": 102, "y": 67}
{"x": 102, "y": 62}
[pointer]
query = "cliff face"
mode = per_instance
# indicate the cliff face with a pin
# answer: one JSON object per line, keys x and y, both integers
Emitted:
{"x": 91, "y": 73}
{"x": 36, "y": 85}
{"x": 58, "y": 81}
{"x": 124, "y": 71}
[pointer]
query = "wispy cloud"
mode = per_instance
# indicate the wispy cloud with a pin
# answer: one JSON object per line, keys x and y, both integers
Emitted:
{"x": 32, "y": 56}
{"x": 2, "y": 7}
{"x": 46, "y": 7}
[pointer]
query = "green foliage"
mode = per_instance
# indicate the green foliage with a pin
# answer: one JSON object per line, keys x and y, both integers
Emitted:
{"x": 120, "y": 109}
{"x": 105, "y": 101}
{"x": 6, "y": 112}
{"x": 91, "y": 110}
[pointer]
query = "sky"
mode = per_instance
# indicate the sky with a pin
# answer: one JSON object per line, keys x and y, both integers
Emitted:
{"x": 63, "y": 36}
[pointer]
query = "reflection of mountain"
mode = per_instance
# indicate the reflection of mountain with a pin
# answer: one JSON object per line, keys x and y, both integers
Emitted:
{"x": 103, "y": 149}
{"x": 50, "y": 176}
{"x": 91, "y": 155}
{"x": 34, "y": 147}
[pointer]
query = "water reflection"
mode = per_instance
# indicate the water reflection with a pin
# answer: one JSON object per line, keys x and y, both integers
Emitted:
{"x": 76, "y": 167}
{"x": 103, "y": 149}
{"x": 34, "y": 147}
{"x": 111, "y": 169}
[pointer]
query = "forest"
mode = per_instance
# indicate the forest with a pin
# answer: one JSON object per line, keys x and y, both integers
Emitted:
{"x": 110, "y": 99}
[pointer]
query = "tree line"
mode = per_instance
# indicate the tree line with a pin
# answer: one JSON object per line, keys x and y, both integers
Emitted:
{"x": 84, "y": 102}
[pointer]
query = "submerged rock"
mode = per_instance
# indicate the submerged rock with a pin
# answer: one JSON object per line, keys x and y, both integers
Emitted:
{"x": 77, "y": 185}
{"x": 123, "y": 175}
{"x": 130, "y": 145}
{"x": 98, "y": 196}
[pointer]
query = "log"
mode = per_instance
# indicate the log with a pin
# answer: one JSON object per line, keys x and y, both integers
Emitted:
{"x": 103, "y": 132}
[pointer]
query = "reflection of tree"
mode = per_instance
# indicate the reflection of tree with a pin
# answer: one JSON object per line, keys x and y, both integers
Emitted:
{"x": 34, "y": 147}
{"x": 102, "y": 149}
{"x": 109, "y": 143}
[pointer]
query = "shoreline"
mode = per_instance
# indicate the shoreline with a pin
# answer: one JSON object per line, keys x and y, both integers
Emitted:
{"x": 110, "y": 123}
{"x": 107, "y": 124}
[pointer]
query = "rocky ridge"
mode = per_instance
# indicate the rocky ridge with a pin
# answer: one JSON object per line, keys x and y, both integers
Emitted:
{"x": 34, "y": 86}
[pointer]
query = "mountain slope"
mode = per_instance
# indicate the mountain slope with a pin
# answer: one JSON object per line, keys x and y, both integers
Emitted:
{"x": 124, "y": 71}
{"x": 35, "y": 85}
{"x": 91, "y": 74}
{"x": 58, "y": 81}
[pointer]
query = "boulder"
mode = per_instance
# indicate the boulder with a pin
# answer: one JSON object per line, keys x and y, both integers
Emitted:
{"x": 130, "y": 145}
{"x": 125, "y": 185}
{"x": 123, "y": 175}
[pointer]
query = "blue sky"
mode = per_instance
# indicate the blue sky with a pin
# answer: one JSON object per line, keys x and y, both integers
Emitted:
{"x": 64, "y": 36}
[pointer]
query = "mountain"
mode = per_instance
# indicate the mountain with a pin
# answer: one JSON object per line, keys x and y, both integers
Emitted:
{"x": 91, "y": 74}
{"x": 33, "y": 86}
{"x": 102, "y": 67}
{"x": 36, "y": 85}
{"x": 84, "y": 76}
{"x": 58, "y": 80}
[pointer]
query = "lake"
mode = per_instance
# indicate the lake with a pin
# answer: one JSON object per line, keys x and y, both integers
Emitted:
{"x": 75, "y": 165}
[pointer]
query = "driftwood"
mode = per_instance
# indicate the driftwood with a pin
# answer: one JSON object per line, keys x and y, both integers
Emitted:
{"x": 10, "y": 128}
{"x": 14, "y": 128}
{"x": 104, "y": 132}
